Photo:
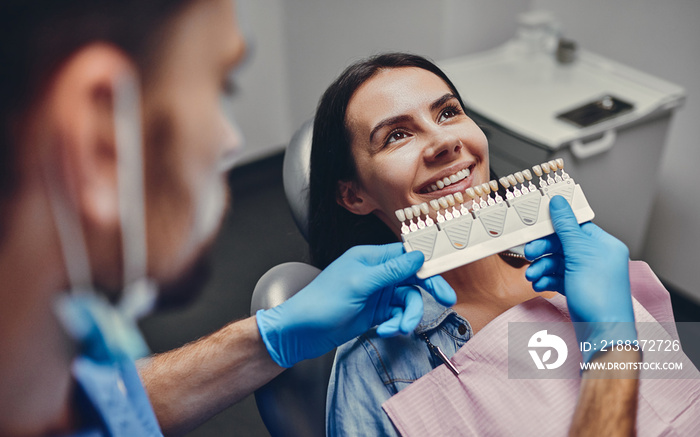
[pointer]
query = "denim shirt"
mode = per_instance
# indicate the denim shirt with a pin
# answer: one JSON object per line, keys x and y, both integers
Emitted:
{"x": 369, "y": 370}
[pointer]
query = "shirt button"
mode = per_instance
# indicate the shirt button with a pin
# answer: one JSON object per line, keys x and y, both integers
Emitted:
{"x": 462, "y": 329}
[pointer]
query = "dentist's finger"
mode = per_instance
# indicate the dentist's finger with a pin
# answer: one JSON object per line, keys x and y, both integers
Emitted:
{"x": 439, "y": 289}
{"x": 551, "y": 265}
{"x": 542, "y": 246}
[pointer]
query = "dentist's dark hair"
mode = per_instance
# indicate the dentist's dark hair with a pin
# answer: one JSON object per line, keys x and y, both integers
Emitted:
{"x": 332, "y": 228}
{"x": 38, "y": 36}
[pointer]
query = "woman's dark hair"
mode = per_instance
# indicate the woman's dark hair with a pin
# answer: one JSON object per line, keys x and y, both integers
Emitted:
{"x": 38, "y": 36}
{"x": 332, "y": 228}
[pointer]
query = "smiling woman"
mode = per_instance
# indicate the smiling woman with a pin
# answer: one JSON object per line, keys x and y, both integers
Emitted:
{"x": 333, "y": 228}
{"x": 429, "y": 140}
{"x": 392, "y": 131}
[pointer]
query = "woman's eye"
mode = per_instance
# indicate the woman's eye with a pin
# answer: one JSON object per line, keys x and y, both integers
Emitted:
{"x": 395, "y": 136}
{"x": 448, "y": 113}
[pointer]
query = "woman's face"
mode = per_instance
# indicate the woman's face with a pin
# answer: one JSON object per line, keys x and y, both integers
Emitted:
{"x": 407, "y": 132}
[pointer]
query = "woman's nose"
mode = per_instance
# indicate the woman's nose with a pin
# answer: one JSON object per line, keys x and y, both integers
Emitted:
{"x": 443, "y": 147}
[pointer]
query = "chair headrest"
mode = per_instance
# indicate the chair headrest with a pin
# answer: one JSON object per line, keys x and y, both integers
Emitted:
{"x": 296, "y": 171}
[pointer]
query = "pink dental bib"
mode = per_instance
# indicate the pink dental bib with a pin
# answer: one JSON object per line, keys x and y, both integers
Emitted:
{"x": 483, "y": 401}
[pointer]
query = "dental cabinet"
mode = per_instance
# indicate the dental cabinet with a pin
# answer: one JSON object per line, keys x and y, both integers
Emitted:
{"x": 608, "y": 121}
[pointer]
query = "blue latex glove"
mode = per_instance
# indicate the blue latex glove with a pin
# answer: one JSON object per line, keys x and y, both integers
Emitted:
{"x": 365, "y": 287}
{"x": 591, "y": 268}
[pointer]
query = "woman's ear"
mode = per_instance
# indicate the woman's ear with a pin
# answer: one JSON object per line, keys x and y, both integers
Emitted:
{"x": 354, "y": 199}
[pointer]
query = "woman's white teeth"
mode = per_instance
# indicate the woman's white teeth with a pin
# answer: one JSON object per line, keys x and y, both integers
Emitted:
{"x": 448, "y": 180}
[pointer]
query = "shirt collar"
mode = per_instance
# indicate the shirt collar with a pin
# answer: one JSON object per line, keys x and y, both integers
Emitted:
{"x": 433, "y": 313}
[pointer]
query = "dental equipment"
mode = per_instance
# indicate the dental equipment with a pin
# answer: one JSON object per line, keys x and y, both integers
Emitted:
{"x": 490, "y": 224}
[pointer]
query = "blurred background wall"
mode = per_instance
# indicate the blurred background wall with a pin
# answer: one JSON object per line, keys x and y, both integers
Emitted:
{"x": 298, "y": 46}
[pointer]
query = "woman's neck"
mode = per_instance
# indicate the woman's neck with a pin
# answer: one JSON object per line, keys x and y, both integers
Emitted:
{"x": 487, "y": 288}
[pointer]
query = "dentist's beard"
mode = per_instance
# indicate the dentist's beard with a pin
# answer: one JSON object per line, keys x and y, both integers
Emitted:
{"x": 188, "y": 287}
{"x": 164, "y": 186}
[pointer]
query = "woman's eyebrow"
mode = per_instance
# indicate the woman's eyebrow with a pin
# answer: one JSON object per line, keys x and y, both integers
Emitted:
{"x": 441, "y": 101}
{"x": 404, "y": 118}
{"x": 388, "y": 122}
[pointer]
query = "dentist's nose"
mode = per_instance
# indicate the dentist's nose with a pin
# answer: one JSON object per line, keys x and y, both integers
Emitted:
{"x": 444, "y": 147}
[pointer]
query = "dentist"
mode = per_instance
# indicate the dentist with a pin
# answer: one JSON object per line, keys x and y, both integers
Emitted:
{"x": 114, "y": 151}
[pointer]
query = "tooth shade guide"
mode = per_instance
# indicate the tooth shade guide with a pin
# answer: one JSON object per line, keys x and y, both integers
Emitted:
{"x": 514, "y": 185}
{"x": 492, "y": 229}
{"x": 528, "y": 176}
{"x": 459, "y": 197}
{"x": 472, "y": 195}
{"x": 554, "y": 167}
{"x": 521, "y": 182}
{"x": 540, "y": 175}
{"x": 417, "y": 213}
{"x": 487, "y": 190}
{"x": 494, "y": 188}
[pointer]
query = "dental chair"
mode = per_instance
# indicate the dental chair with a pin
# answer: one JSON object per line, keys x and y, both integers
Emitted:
{"x": 294, "y": 403}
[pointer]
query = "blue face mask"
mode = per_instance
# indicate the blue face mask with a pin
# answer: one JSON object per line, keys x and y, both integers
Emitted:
{"x": 105, "y": 332}
{"x": 102, "y": 331}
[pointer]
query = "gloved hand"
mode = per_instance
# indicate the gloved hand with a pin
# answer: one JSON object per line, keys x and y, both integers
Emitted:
{"x": 591, "y": 268}
{"x": 365, "y": 287}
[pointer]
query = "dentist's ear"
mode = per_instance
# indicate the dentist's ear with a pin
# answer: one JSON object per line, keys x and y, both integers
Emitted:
{"x": 354, "y": 199}
{"x": 82, "y": 98}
